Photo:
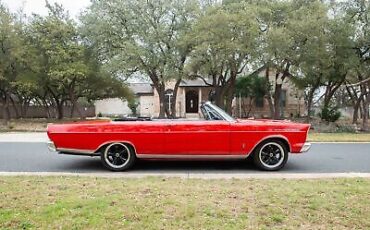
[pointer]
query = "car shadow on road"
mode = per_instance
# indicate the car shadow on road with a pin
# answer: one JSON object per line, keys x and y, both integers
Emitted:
{"x": 156, "y": 165}
{"x": 84, "y": 164}
{"x": 94, "y": 165}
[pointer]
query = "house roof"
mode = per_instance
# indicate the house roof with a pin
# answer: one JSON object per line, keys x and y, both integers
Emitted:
{"x": 142, "y": 88}
{"x": 194, "y": 83}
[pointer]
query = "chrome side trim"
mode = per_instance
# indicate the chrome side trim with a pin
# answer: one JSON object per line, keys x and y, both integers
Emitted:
{"x": 170, "y": 156}
{"x": 306, "y": 146}
{"x": 79, "y": 151}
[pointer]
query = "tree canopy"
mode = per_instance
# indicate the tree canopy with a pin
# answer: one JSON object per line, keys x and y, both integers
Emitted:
{"x": 323, "y": 47}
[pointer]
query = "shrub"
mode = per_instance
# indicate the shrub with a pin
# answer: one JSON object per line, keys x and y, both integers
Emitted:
{"x": 346, "y": 129}
{"x": 132, "y": 104}
{"x": 330, "y": 113}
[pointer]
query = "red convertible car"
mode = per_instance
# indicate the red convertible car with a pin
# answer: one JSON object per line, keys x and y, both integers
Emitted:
{"x": 217, "y": 136}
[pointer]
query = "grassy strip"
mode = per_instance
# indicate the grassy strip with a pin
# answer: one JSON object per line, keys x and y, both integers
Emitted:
{"x": 156, "y": 203}
{"x": 339, "y": 137}
{"x": 29, "y": 125}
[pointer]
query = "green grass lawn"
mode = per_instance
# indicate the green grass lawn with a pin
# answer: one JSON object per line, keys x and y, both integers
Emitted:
{"x": 339, "y": 137}
{"x": 157, "y": 203}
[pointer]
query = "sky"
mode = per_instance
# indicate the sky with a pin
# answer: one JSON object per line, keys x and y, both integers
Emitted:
{"x": 38, "y": 6}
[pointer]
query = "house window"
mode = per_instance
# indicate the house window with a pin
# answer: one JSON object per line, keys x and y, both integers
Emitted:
{"x": 259, "y": 102}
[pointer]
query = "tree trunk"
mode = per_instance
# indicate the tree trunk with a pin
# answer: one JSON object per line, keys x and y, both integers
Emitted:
{"x": 219, "y": 97}
{"x": 6, "y": 112}
{"x": 72, "y": 110}
{"x": 75, "y": 105}
{"x": 269, "y": 97}
{"x": 365, "y": 115}
{"x": 356, "y": 108}
{"x": 17, "y": 114}
{"x": 277, "y": 96}
{"x": 162, "y": 97}
{"x": 330, "y": 91}
{"x": 60, "y": 109}
{"x": 355, "y": 101}
{"x": 250, "y": 107}
{"x": 46, "y": 106}
{"x": 174, "y": 99}
{"x": 25, "y": 109}
{"x": 230, "y": 92}
{"x": 309, "y": 104}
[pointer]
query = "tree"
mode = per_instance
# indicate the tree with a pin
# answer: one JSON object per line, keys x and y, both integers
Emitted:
{"x": 289, "y": 28}
{"x": 11, "y": 57}
{"x": 225, "y": 38}
{"x": 253, "y": 87}
{"x": 67, "y": 68}
{"x": 61, "y": 56}
{"x": 143, "y": 37}
{"x": 357, "y": 14}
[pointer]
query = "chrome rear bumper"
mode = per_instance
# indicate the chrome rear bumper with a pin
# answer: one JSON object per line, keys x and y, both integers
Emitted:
{"x": 306, "y": 146}
{"x": 51, "y": 146}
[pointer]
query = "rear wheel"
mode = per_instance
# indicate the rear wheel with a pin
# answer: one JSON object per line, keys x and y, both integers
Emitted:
{"x": 118, "y": 157}
{"x": 270, "y": 155}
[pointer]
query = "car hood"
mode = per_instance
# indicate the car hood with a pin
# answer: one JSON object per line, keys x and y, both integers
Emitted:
{"x": 278, "y": 124}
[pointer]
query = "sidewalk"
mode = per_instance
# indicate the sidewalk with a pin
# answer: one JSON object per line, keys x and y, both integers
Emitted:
{"x": 195, "y": 175}
{"x": 24, "y": 137}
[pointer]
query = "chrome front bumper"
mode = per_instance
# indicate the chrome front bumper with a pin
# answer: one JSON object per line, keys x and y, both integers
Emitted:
{"x": 51, "y": 146}
{"x": 306, "y": 146}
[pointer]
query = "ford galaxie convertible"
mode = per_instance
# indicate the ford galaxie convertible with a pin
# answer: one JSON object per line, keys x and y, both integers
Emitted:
{"x": 217, "y": 136}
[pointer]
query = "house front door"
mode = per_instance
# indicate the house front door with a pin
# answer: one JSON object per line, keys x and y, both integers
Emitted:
{"x": 192, "y": 101}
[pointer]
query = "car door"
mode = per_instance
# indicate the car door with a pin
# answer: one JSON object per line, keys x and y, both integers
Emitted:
{"x": 198, "y": 138}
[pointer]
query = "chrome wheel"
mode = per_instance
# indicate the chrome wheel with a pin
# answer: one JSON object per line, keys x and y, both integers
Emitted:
{"x": 271, "y": 155}
{"x": 117, "y": 155}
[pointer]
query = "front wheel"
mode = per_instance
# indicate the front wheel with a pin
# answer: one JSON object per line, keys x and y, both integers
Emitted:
{"x": 270, "y": 155}
{"x": 118, "y": 157}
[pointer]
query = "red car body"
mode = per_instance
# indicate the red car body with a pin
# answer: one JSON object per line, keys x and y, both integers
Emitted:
{"x": 171, "y": 138}
{"x": 178, "y": 139}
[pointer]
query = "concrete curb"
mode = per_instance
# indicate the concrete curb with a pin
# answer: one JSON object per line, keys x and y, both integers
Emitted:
{"x": 340, "y": 142}
{"x": 196, "y": 175}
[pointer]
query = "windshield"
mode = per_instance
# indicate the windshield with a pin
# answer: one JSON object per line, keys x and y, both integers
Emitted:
{"x": 213, "y": 112}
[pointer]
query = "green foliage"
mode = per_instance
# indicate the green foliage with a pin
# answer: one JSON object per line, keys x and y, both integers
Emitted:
{"x": 49, "y": 60}
{"x": 252, "y": 86}
{"x": 142, "y": 38}
{"x": 11, "y": 52}
{"x": 132, "y": 104}
{"x": 330, "y": 113}
{"x": 225, "y": 39}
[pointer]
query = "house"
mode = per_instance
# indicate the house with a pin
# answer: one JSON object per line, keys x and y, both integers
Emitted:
{"x": 190, "y": 95}
{"x": 292, "y": 100}
{"x": 144, "y": 93}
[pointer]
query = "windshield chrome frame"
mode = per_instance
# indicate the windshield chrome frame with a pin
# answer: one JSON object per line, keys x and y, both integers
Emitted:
{"x": 221, "y": 113}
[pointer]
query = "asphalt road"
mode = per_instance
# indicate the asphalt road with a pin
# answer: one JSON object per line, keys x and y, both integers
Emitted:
{"x": 322, "y": 158}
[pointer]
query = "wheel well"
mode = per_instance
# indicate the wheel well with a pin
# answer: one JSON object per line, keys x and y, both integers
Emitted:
{"x": 101, "y": 148}
{"x": 282, "y": 140}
